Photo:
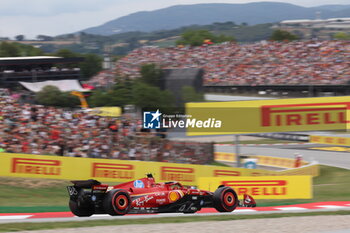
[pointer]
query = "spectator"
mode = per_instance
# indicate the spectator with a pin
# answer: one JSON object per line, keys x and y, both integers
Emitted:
{"x": 54, "y": 131}
{"x": 262, "y": 63}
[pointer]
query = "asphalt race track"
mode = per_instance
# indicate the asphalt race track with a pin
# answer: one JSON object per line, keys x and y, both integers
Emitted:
{"x": 68, "y": 216}
{"x": 331, "y": 158}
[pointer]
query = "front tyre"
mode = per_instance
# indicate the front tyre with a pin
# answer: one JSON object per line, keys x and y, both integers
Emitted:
{"x": 117, "y": 202}
{"x": 225, "y": 199}
{"x": 79, "y": 209}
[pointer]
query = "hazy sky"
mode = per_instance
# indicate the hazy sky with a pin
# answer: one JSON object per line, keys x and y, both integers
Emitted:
{"x": 54, "y": 17}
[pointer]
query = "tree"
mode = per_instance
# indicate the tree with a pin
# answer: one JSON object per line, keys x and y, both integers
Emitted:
{"x": 341, "y": 36}
{"x": 189, "y": 94}
{"x": 48, "y": 96}
{"x": 151, "y": 74}
{"x": 197, "y": 37}
{"x": 144, "y": 92}
{"x": 19, "y": 37}
{"x": 122, "y": 93}
{"x": 146, "y": 95}
{"x": 91, "y": 65}
{"x": 223, "y": 38}
{"x": 280, "y": 35}
{"x": 68, "y": 100}
{"x": 28, "y": 50}
{"x": 14, "y": 49}
{"x": 52, "y": 96}
{"x": 101, "y": 98}
{"x": 119, "y": 95}
{"x": 9, "y": 50}
{"x": 132, "y": 92}
{"x": 66, "y": 53}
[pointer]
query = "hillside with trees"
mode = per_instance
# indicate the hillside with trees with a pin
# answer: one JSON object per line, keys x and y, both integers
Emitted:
{"x": 203, "y": 14}
{"x": 121, "y": 44}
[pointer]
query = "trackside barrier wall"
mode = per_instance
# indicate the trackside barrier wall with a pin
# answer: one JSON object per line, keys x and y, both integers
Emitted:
{"x": 262, "y": 160}
{"x": 340, "y": 141}
{"x": 110, "y": 170}
{"x": 263, "y": 187}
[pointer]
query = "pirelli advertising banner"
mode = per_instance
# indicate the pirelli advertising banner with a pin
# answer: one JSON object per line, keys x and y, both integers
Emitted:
{"x": 264, "y": 187}
{"x": 340, "y": 141}
{"x": 111, "y": 170}
{"x": 108, "y": 170}
{"x": 262, "y": 160}
{"x": 281, "y": 115}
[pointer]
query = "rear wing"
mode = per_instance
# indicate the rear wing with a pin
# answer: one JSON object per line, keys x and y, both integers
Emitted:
{"x": 79, "y": 186}
{"x": 85, "y": 183}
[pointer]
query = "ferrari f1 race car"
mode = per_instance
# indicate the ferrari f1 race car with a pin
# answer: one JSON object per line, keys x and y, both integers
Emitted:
{"x": 142, "y": 196}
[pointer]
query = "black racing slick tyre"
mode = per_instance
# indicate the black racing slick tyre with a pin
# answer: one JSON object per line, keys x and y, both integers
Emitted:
{"x": 80, "y": 210}
{"x": 225, "y": 199}
{"x": 117, "y": 202}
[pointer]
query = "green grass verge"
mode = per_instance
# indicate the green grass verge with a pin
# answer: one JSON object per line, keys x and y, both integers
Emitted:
{"x": 10, "y": 227}
{"x": 23, "y": 192}
{"x": 331, "y": 185}
{"x": 216, "y": 163}
{"x": 19, "y": 195}
{"x": 33, "y": 209}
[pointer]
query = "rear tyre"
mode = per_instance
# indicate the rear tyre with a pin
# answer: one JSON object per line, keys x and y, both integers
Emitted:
{"x": 117, "y": 202}
{"x": 80, "y": 209}
{"x": 225, "y": 199}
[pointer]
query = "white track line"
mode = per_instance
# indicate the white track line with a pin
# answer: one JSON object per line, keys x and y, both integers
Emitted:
{"x": 244, "y": 210}
{"x": 12, "y": 217}
{"x": 290, "y": 208}
{"x": 98, "y": 215}
{"x": 331, "y": 206}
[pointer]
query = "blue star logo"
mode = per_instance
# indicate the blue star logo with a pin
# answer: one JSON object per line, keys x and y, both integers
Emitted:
{"x": 151, "y": 120}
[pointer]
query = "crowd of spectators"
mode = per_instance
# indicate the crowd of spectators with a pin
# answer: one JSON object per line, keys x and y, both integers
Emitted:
{"x": 261, "y": 63}
{"x": 35, "y": 129}
{"x": 103, "y": 79}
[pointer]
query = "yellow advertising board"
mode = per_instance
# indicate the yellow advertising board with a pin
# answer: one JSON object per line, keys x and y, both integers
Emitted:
{"x": 331, "y": 148}
{"x": 261, "y": 160}
{"x": 112, "y": 170}
{"x": 264, "y": 187}
{"x": 340, "y": 141}
{"x": 55, "y": 167}
{"x": 281, "y": 115}
{"x": 310, "y": 169}
{"x": 107, "y": 111}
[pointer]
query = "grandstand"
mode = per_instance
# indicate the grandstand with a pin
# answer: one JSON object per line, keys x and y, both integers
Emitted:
{"x": 311, "y": 28}
{"x": 37, "y": 68}
{"x": 281, "y": 90}
{"x": 36, "y": 129}
{"x": 315, "y": 68}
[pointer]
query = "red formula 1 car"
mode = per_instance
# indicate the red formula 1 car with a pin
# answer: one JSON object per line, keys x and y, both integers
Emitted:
{"x": 89, "y": 197}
